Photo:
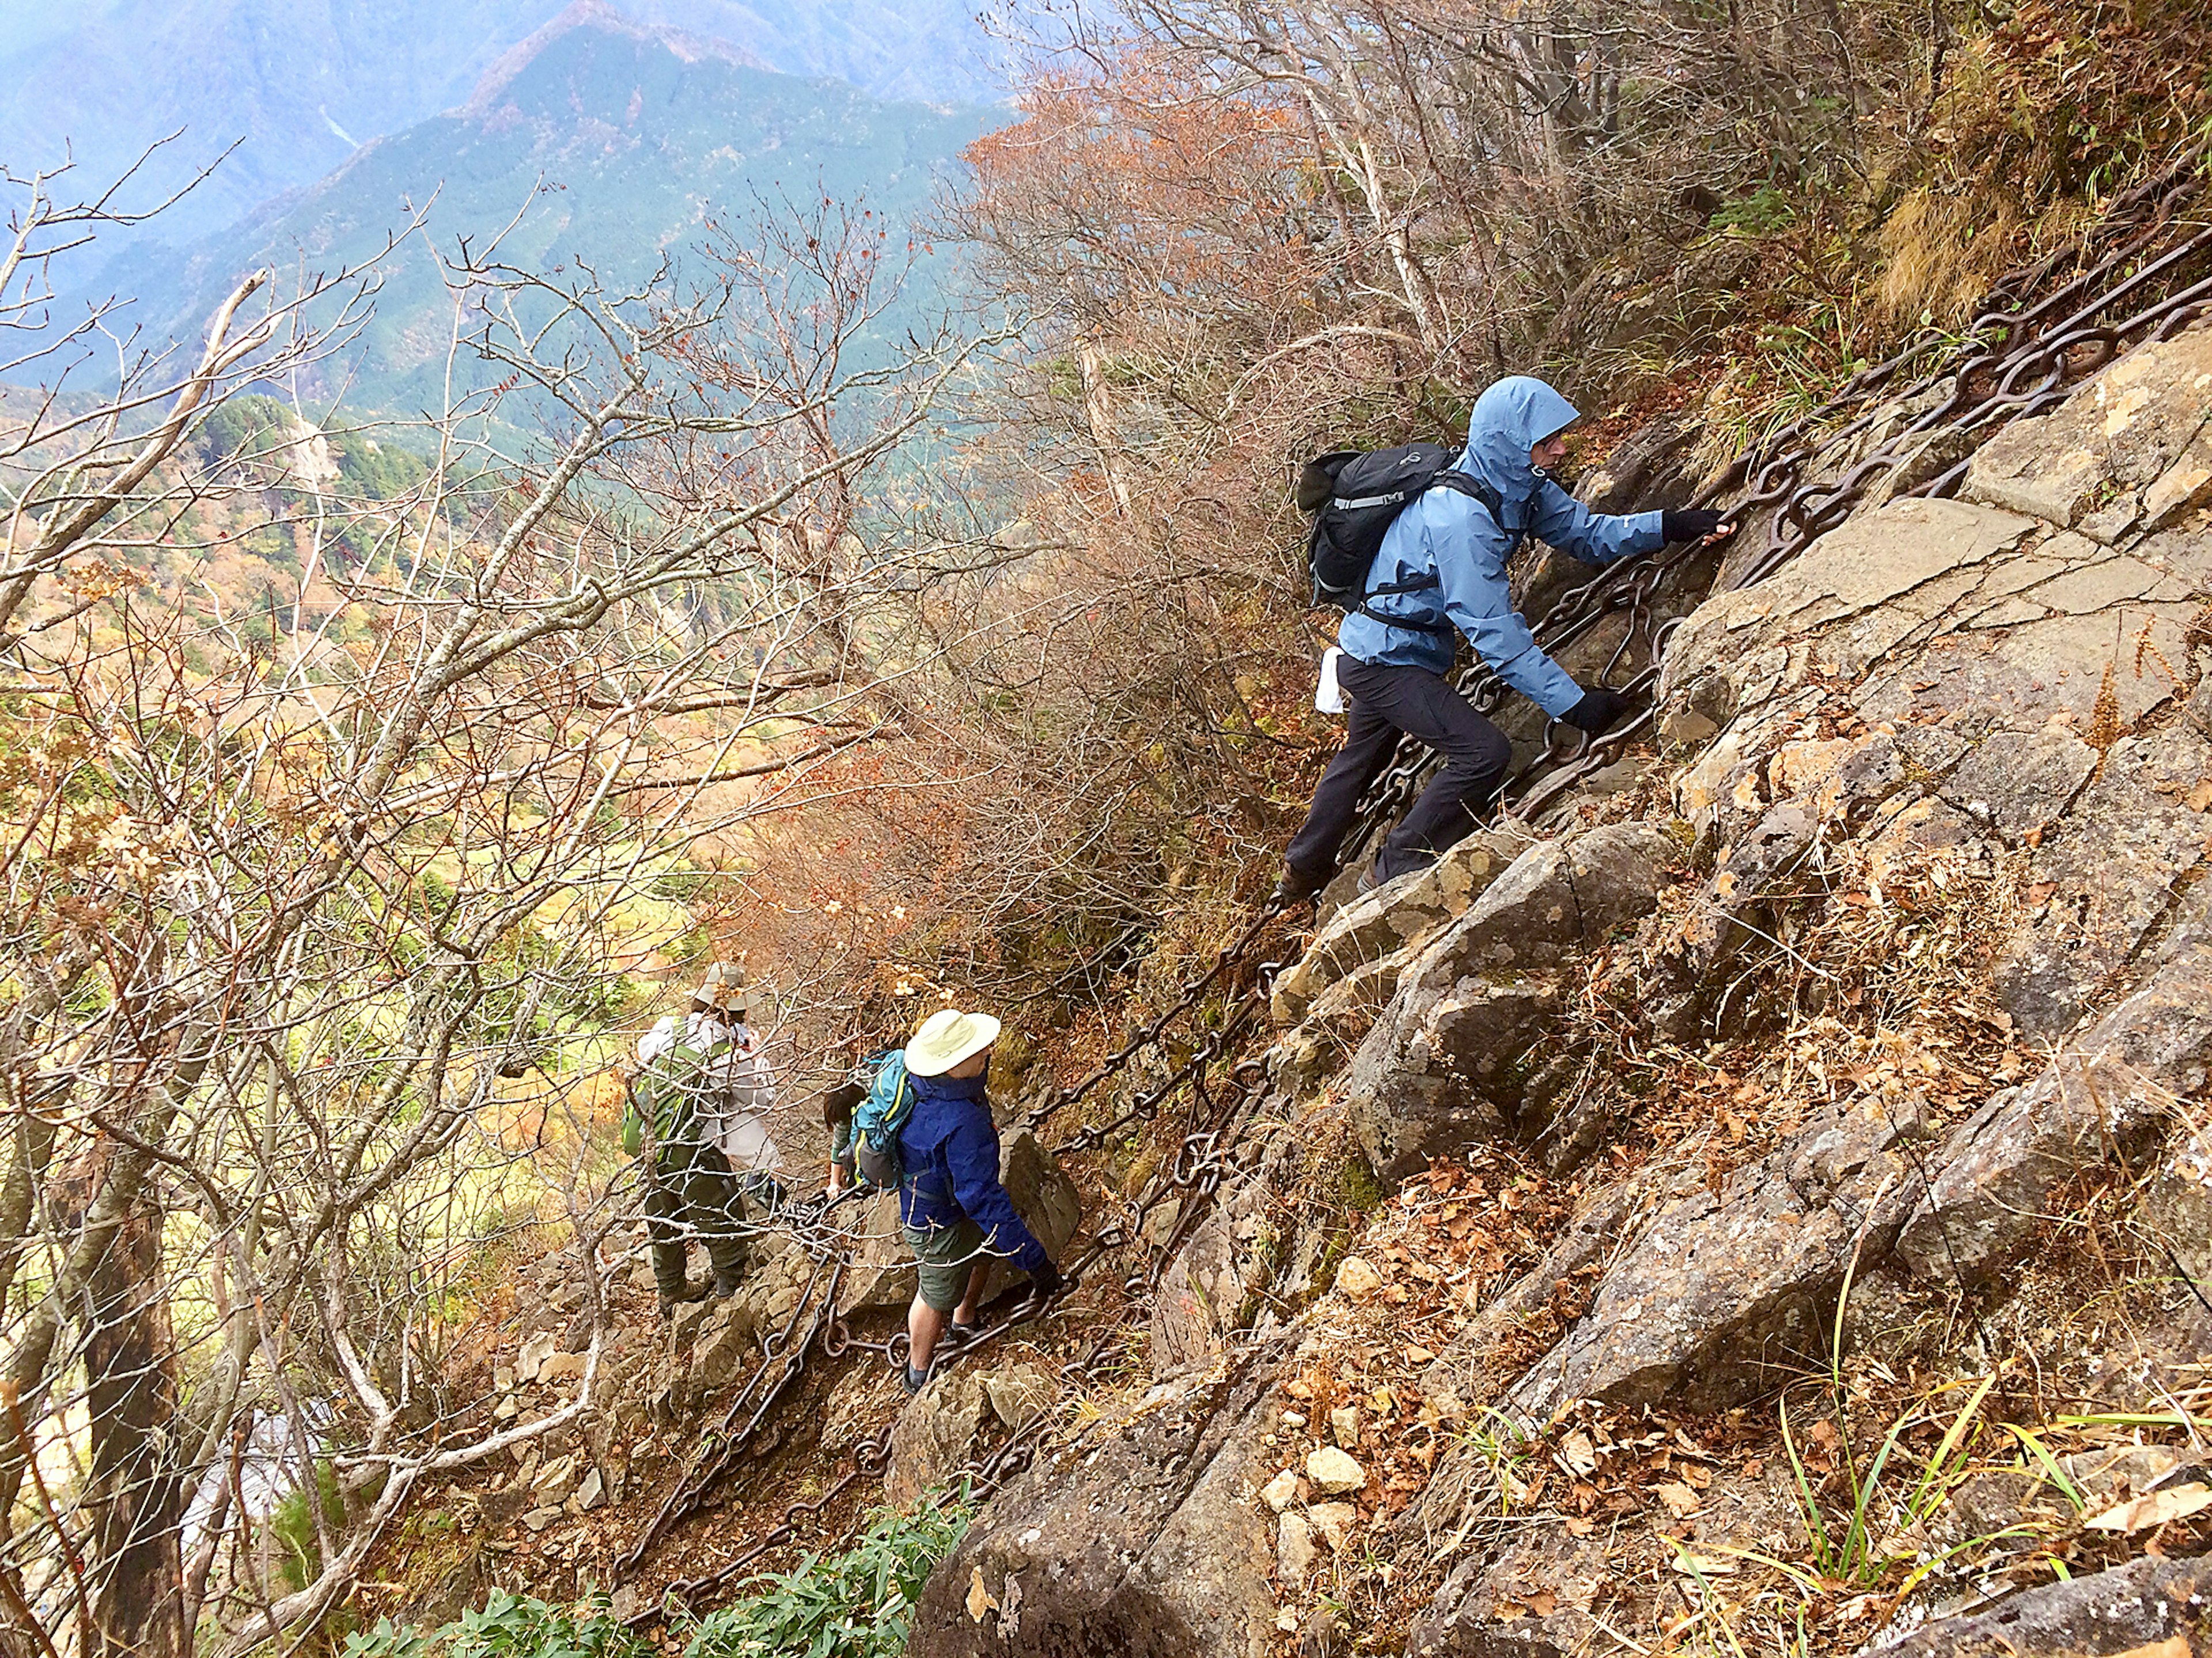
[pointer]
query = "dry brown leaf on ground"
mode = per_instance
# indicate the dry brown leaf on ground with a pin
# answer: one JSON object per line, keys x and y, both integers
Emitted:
{"x": 980, "y": 1599}
{"x": 1681, "y": 1502}
{"x": 2156, "y": 1509}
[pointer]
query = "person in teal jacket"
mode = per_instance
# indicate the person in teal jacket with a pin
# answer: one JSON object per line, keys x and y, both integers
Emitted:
{"x": 1446, "y": 555}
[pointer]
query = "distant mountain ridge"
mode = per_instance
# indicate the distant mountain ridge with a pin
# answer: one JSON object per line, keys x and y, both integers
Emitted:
{"x": 500, "y": 78}
{"x": 616, "y": 142}
{"x": 302, "y": 84}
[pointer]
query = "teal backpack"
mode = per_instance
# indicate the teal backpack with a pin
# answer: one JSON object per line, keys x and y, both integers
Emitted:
{"x": 879, "y": 1118}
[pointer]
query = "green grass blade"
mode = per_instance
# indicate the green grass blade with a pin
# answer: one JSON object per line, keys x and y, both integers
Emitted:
{"x": 1814, "y": 1524}
{"x": 1932, "y": 1474}
{"x": 2056, "y": 1474}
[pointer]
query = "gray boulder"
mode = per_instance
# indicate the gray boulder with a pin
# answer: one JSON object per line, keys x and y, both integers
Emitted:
{"x": 2020, "y": 781}
{"x": 1446, "y": 1063}
{"x": 2148, "y": 1608}
{"x": 1142, "y": 1539}
{"x": 1558, "y": 895}
{"x": 1445, "y": 1068}
{"x": 934, "y": 1436}
{"x": 1044, "y": 1197}
{"x": 1723, "y": 1292}
{"x": 2106, "y": 877}
{"x": 2106, "y": 1094}
{"x": 1534, "y": 1600}
{"x": 882, "y": 1272}
{"x": 1213, "y": 1285}
{"x": 2130, "y": 449}
{"x": 1403, "y": 913}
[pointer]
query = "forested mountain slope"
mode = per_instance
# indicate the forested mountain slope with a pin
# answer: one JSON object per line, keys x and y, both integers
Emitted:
{"x": 596, "y": 140}
{"x": 299, "y": 86}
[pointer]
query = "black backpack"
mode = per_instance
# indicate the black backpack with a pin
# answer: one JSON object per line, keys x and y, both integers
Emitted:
{"x": 1354, "y": 497}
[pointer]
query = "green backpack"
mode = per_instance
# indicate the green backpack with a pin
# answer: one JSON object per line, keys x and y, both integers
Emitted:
{"x": 669, "y": 1092}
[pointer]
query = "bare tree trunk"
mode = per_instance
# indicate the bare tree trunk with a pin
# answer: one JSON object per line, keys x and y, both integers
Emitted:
{"x": 1100, "y": 413}
{"x": 136, "y": 1496}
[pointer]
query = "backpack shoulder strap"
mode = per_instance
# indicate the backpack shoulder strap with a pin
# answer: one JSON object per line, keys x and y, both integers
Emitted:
{"x": 678, "y": 1077}
{"x": 1493, "y": 503}
{"x": 1476, "y": 490}
{"x": 1466, "y": 484}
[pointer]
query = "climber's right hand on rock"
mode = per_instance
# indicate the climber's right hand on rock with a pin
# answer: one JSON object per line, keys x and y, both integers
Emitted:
{"x": 1599, "y": 711}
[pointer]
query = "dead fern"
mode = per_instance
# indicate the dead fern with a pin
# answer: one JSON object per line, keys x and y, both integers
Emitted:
{"x": 2105, "y": 727}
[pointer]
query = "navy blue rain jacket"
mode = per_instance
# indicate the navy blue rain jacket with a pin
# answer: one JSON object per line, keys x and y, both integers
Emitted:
{"x": 950, "y": 1147}
{"x": 1454, "y": 536}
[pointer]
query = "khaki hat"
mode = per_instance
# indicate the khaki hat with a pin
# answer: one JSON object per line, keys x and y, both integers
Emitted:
{"x": 725, "y": 987}
{"x": 946, "y": 1037}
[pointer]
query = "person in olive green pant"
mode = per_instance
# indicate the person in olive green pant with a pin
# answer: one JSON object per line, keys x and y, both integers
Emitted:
{"x": 688, "y": 1068}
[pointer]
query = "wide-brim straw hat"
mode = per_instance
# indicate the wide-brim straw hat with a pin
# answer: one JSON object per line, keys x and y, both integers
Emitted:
{"x": 725, "y": 987}
{"x": 946, "y": 1037}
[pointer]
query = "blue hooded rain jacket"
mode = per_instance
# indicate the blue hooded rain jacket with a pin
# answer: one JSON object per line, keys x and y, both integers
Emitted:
{"x": 1454, "y": 536}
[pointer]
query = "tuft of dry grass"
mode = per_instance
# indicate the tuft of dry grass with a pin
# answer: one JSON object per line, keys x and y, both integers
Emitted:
{"x": 1941, "y": 253}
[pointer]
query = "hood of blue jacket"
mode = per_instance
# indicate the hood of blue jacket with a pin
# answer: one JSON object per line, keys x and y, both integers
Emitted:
{"x": 1509, "y": 419}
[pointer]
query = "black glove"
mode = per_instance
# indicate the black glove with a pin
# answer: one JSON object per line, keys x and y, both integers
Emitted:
{"x": 1690, "y": 524}
{"x": 1046, "y": 1281}
{"x": 1598, "y": 711}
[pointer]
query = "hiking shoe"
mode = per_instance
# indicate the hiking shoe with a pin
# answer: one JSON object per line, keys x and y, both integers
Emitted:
{"x": 912, "y": 1379}
{"x": 1297, "y": 887}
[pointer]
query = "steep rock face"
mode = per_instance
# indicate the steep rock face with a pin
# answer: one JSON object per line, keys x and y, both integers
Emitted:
{"x": 1144, "y": 1539}
{"x": 1989, "y": 662}
{"x": 1999, "y": 683}
{"x": 1393, "y": 918}
{"x": 2107, "y": 878}
{"x": 2108, "y": 1092}
{"x": 931, "y": 1439}
{"x": 1444, "y": 1064}
{"x": 2132, "y": 452}
{"x": 2148, "y": 1608}
{"x": 1724, "y": 1294}
{"x": 1213, "y": 1284}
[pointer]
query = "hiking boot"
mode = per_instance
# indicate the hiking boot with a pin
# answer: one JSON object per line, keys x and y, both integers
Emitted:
{"x": 1297, "y": 887}
{"x": 727, "y": 1284}
{"x": 1370, "y": 879}
{"x": 912, "y": 1379}
{"x": 670, "y": 1300}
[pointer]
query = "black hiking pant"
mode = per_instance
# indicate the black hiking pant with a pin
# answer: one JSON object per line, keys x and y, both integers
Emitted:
{"x": 1387, "y": 701}
{"x": 689, "y": 1184}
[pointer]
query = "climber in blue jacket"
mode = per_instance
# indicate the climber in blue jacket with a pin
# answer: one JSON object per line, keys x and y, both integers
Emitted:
{"x": 1397, "y": 645}
{"x": 956, "y": 1217}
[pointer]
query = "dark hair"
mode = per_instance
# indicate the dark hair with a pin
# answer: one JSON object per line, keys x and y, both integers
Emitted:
{"x": 839, "y": 1103}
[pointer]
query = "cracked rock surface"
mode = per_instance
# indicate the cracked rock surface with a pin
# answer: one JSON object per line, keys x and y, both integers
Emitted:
{"x": 2017, "y": 684}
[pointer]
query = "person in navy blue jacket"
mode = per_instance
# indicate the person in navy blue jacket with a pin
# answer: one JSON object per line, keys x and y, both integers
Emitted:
{"x": 956, "y": 1217}
{"x": 1447, "y": 556}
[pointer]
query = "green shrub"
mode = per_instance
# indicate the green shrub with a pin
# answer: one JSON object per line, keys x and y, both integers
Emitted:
{"x": 292, "y": 1524}
{"x": 853, "y": 1604}
{"x": 507, "y": 1626}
